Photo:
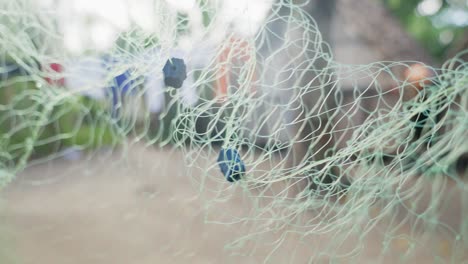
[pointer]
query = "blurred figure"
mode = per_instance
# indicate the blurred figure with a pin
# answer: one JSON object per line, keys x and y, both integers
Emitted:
{"x": 236, "y": 53}
{"x": 86, "y": 76}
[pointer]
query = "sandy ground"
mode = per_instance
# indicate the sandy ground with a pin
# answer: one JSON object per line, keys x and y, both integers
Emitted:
{"x": 145, "y": 209}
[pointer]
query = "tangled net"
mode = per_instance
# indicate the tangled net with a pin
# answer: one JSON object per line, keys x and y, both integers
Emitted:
{"x": 331, "y": 151}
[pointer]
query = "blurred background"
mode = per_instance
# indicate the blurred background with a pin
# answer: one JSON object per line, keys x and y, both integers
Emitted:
{"x": 89, "y": 216}
{"x": 87, "y": 34}
{"x": 439, "y": 25}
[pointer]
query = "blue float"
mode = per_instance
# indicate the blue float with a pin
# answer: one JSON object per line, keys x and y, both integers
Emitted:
{"x": 175, "y": 72}
{"x": 231, "y": 164}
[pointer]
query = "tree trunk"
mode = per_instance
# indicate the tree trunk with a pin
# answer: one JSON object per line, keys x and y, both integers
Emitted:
{"x": 379, "y": 31}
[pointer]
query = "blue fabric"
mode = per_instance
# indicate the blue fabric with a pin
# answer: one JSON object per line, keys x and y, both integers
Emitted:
{"x": 231, "y": 165}
{"x": 121, "y": 86}
{"x": 123, "y": 82}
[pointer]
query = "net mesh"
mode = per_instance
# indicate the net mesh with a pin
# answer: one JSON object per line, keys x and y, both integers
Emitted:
{"x": 341, "y": 159}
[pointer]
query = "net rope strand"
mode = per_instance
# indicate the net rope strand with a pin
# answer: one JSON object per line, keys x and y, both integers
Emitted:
{"x": 279, "y": 97}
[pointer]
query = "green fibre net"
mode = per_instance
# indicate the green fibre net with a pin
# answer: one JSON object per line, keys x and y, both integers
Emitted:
{"x": 344, "y": 163}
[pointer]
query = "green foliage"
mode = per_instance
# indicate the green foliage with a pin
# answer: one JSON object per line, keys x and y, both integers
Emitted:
{"x": 135, "y": 41}
{"x": 436, "y": 38}
{"x": 25, "y": 116}
{"x": 207, "y": 12}
{"x": 182, "y": 23}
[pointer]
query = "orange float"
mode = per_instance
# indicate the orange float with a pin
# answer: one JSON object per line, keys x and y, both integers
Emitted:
{"x": 418, "y": 75}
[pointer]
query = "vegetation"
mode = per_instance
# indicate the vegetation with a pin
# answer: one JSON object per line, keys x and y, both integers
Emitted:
{"x": 26, "y": 114}
{"x": 438, "y": 24}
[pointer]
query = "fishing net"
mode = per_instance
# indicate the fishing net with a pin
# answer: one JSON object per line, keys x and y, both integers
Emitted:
{"x": 330, "y": 161}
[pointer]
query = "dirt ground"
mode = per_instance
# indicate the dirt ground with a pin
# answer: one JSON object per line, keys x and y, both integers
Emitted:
{"x": 144, "y": 209}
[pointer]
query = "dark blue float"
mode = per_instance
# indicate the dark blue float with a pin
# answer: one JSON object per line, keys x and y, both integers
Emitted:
{"x": 231, "y": 164}
{"x": 175, "y": 72}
